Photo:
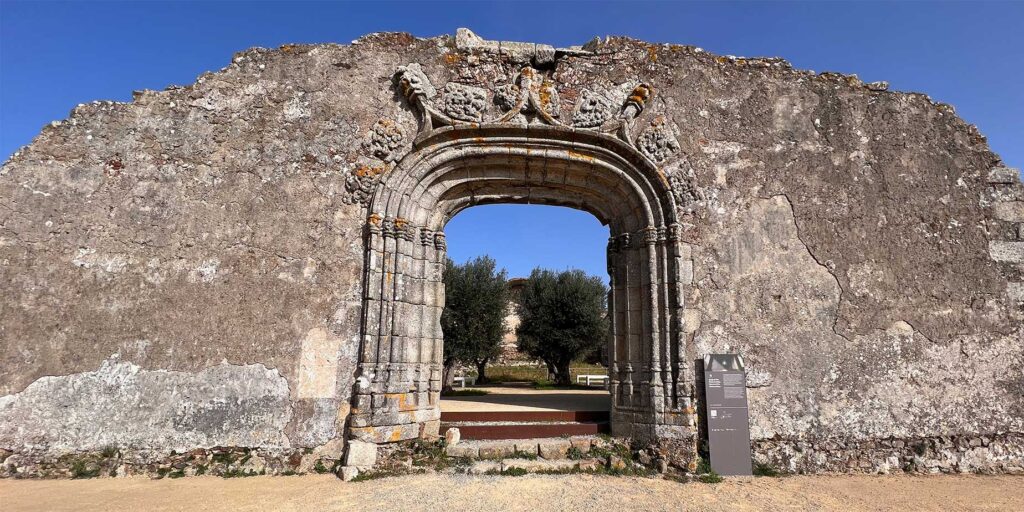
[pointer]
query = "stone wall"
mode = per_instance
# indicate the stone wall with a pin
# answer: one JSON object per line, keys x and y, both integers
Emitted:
{"x": 185, "y": 271}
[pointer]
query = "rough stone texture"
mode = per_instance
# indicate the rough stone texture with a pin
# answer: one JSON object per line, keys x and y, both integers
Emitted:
{"x": 360, "y": 454}
{"x": 347, "y": 473}
{"x": 554, "y": 448}
{"x": 121, "y": 405}
{"x": 463, "y": 450}
{"x": 860, "y": 247}
{"x": 452, "y": 437}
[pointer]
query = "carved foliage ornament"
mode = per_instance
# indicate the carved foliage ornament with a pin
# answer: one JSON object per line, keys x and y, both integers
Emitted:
{"x": 384, "y": 138}
{"x": 657, "y": 143}
{"x": 534, "y": 98}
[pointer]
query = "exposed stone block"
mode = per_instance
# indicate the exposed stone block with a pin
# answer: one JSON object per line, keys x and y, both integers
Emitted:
{"x": 1003, "y": 175}
{"x": 554, "y": 449}
{"x": 497, "y": 450}
{"x": 347, "y": 473}
{"x": 1006, "y": 251}
{"x": 691, "y": 320}
{"x": 580, "y": 443}
{"x": 1010, "y": 211}
{"x": 361, "y": 454}
{"x": 1015, "y": 291}
{"x": 527, "y": 447}
{"x": 463, "y": 450}
{"x": 452, "y": 437}
{"x": 538, "y": 465}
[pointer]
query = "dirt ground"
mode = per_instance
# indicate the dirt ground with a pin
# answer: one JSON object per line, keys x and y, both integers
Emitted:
{"x": 508, "y": 494}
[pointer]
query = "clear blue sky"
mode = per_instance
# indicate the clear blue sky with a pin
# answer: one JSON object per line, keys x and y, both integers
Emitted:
{"x": 54, "y": 55}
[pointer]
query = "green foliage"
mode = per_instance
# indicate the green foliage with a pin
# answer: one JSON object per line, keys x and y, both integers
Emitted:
{"x": 575, "y": 453}
{"x": 710, "y": 477}
{"x": 84, "y": 469}
{"x": 529, "y": 373}
{"x": 562, "y": 318}
{"x": 373, "y": 475}
{"x": 238, "y": 473}
{"x": 473, "y": 320}
{"x": 524, "y": 455}
{"x": 764, "y": 469}
{"x": 109, "y": 452}
{"x": 223, "y": 458}
{"x": 201, "y": 470}
{"x": 320, "y": 468}
{"x": 507, "y": 472}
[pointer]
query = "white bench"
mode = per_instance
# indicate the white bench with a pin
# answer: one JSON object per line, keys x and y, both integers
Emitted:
{"x": 601, "y": 379}
{"x": 461, "y": 381}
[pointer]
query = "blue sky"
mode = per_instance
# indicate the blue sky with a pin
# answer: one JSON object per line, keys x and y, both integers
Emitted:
{"x": 54, "y": 55}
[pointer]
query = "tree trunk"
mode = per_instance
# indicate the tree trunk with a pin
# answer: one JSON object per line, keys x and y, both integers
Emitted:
{"x": 448, "y": 375}
{"x": 481, "y": 368}
{"x": 552, "y": 371}
{"x": 562, "y": 378}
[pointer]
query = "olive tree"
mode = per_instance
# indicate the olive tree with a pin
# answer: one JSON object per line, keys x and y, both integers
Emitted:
{"x": 473, "y": 320}
{"x": 562, "y": 318}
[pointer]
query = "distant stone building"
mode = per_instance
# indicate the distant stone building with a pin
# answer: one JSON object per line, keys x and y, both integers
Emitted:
{"x": 510, "y": 354}
{"x": 253, "y": 262}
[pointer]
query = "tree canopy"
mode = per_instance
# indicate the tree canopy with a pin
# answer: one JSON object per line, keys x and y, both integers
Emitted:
{"x": 562, "y": 318}
{"x": 473, "y": 320}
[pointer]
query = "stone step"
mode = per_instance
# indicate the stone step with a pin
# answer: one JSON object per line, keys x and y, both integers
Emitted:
{"x": 533, "y": 465}
{"x": 525, "y": 430}
{"x": 526, "y": 416}
{"x": 550, "y": 448}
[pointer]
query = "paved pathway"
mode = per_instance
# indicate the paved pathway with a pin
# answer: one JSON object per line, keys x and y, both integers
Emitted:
{"x": 534, "y": 493}
{"x": 529, "y": 399}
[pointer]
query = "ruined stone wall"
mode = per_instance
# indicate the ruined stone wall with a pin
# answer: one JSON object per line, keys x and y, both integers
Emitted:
{"x": 184, "y": 271}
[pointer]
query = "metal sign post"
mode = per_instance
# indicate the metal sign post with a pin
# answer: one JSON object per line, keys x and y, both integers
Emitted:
{"x": 728, "y": 424}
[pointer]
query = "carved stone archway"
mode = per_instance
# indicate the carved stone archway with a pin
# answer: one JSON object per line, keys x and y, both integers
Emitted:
{"x": 456, "y": 164}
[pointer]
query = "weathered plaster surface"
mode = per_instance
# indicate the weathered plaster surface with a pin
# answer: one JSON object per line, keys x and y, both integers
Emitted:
{"x": 122, "y": 405}
{"x": 860, "y": 246}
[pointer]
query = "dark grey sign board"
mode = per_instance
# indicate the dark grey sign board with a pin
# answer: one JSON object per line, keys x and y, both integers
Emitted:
{"x": 725, "y": 386}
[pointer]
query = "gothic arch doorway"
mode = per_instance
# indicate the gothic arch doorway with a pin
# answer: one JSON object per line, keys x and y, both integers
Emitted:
{"x": 455, "y": 167}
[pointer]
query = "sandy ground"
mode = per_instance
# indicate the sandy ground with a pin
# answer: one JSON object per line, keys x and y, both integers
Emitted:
{"x": 528, "y": 399}
{"x": 508, "y": 494}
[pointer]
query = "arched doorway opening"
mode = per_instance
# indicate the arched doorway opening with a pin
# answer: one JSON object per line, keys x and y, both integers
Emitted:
{"x": 455, "y": 167}
{"x": 548, "y": 385}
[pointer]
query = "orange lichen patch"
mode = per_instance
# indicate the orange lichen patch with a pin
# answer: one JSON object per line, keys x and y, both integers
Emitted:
{"x": 690, "y": 410}
{"x": 641, "y": 94}
{"x": 367, "y": 171}
{"x": 544, "y": 94}
{"x": 452, "y": 58}
{"x": 375, "y": 219}
{"x": 722, "y": 60}
{"x": 579, "y": 156}
{"x": 396, "y": 435}
{"x": 400, "y": 223}
{"x": 652, "y": 53}
{"x": 403, "y": 401}
{"x": 289, "y": 48}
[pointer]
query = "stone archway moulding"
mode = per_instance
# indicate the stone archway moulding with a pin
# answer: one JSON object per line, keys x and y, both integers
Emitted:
{"x": 523, "y": 156}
